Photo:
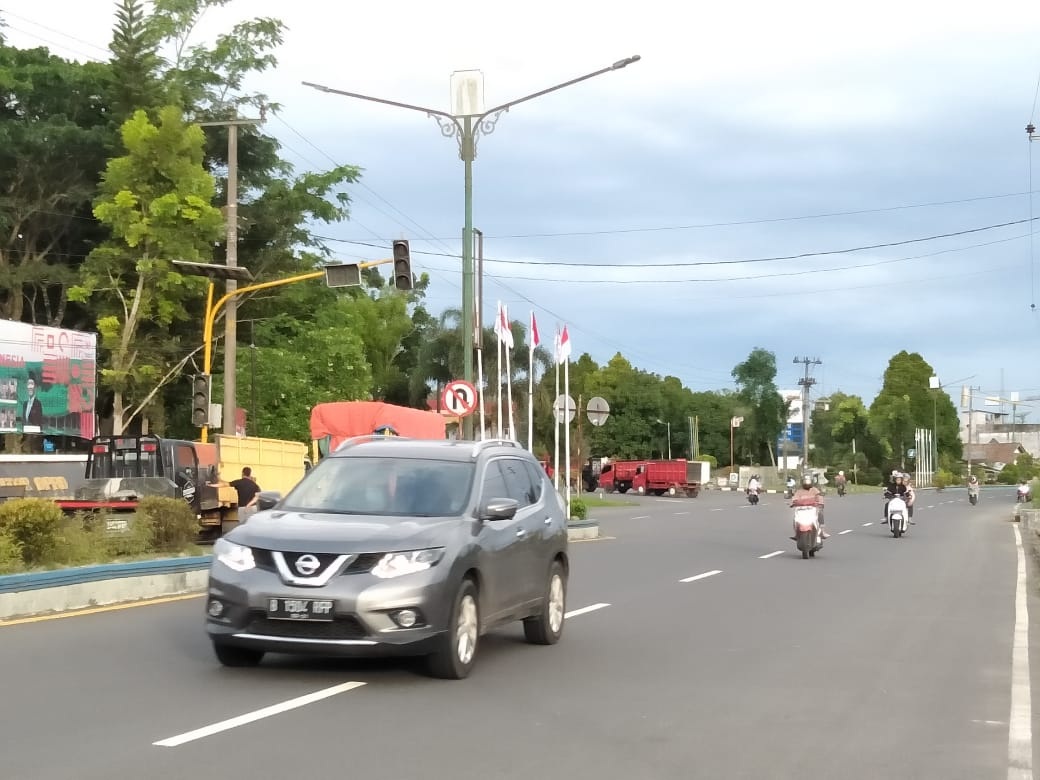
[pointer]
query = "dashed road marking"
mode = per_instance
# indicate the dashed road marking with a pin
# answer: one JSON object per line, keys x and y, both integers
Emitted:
{"x": 846, "y": 531}
{"x": 771, "y": 555}
{"x": 702, "y": 576}
{"x": 866, "y": 524}
{"x": 585, "y": 610}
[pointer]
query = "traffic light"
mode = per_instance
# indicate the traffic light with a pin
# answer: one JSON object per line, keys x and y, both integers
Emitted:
{"x": 402, "y": 265}
{"x": 200, "y": 396}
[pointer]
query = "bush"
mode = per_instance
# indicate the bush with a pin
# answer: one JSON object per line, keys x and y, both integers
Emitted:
{"x": 579, "y": 510}
{"x": 711, "y": 459}
{"x": 34, "y": 523}
{"x": 77, "y": 542}
{"x": 10, "y": 554}
{"x": 136, "y": 539}
{"x": 171, "y": 522}
{"x": 943, "y": 479}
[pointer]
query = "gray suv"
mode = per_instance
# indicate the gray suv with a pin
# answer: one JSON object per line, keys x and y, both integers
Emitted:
{"x": 390, "y": 546}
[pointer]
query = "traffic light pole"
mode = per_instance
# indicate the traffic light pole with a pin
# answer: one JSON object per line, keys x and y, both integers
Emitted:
{"x": 213, "y": 308}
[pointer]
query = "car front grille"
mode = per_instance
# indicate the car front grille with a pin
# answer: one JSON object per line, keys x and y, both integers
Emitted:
{"x": 341, "y": 627}
{"x": 363, "y": 563}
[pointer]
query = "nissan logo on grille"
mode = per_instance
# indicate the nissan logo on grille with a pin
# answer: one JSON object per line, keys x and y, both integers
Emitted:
{"x": 307, "y": 565}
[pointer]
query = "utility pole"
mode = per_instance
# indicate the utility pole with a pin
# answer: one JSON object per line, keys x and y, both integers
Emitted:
{"x": 231, "y": 217}
{"x": 806, "y": 382}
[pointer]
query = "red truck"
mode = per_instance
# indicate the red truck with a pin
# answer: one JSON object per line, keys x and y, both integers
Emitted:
{"x": 618, "y": 475}
{"x": 667, "y": 476}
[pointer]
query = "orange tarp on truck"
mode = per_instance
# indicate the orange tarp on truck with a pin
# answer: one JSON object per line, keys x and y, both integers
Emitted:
{"x": 343, "y": 419}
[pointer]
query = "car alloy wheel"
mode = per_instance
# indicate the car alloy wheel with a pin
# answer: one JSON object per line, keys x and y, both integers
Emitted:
{"x": 546, "y": 627}
{"x": 466, "y": 630}
{"x": 556, "y": 603}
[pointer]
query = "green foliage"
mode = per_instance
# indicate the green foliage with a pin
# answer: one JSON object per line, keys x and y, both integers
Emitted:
{"x": 10, "y": 554}
{"x": 172, "y": 522}
{"x": 135, "y": 61}
{"x": 711, "y": 459}
{"x": 579, "y": 509}
{"x": 944, "y": 479}
{"x": 34, "y": 524}
{"x": 760, "y": 404}
{"x": 1008, "y": 475}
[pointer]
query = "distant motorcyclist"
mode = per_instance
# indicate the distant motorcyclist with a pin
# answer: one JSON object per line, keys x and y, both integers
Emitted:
{"x": 840, "y": 482}
{"x": 809, "y": 495}
{"x": 911, "y": 496}
{"x": 896, "y": 487}
{"x": 1023, "y": 491}
{"x": 790, "y": 485}
{"x": 754, "y": 485}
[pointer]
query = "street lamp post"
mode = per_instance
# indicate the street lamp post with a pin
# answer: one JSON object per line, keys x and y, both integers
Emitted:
{"x": 662, "y": 422}
{"x": 935, "y": 384}
{"x": 466, "y": 125}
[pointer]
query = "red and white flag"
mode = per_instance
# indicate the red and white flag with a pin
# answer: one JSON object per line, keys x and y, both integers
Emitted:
{"x": 502, "y": 330}
{"x": 563, "y": 346}
{"x": 535, "y": 341}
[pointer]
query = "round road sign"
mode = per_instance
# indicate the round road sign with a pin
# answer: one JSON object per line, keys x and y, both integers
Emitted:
{"x": 459, "y": 397}
{"x": 564, "y": 402}
{"x": 598, "y": 410}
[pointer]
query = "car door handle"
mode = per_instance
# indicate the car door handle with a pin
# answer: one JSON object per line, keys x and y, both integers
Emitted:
{"x": 547, "y": 521}
{"x": 520, "y": 533}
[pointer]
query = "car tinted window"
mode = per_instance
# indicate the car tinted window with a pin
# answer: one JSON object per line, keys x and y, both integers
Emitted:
{"x": 405, "y": 487}
{"x": 537, "y": 480}
{"x": 494, "y": 483}
{"x": 518, "y": 481}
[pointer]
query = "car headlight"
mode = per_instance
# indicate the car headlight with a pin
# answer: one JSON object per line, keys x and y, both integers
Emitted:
{"x": 234, "y": 556}
{"x": 399, "y": 563}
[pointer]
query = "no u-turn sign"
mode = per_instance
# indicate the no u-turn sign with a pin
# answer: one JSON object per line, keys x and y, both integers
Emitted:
{"x": 459, "y": 397}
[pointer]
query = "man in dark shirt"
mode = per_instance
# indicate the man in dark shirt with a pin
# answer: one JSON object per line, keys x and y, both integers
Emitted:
{"x": 248, "y": 491}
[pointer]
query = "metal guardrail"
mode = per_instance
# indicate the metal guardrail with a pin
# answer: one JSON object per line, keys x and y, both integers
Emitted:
{"x": 14, "y": 583}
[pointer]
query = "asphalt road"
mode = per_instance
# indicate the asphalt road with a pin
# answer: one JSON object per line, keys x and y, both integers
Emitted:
{"x": 880, "y": 658}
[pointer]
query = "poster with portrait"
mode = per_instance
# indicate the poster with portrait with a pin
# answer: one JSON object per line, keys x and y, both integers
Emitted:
{"x": 48, "y": 378}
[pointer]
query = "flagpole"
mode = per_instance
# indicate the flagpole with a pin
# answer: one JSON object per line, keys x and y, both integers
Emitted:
{"x": 509, "y": 394}
{"x": 556, "y": 422}
{"x": 567, "y": 430}
{"x": 480, "y": 383}
{"x": 498, "y": 372}
{"x": 530, "y": 386}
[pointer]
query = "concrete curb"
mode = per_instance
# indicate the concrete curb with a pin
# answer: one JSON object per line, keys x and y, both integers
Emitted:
{"x": 43, "y": 593}
{"x": 582, "y": 529}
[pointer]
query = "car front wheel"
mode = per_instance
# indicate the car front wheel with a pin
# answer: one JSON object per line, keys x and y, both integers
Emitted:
{"x": 457, "y": 650}
{"x": 230, "y": 655}
{"x": 547, "y": 627}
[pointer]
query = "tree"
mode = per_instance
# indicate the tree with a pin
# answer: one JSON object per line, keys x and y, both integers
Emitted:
{"x": 156, "y": 202}
{"x": 55, "y": 136}
{"x": 636, "y": 402}
{"x": 135, "y": 61}
{"x": 763, "y": 408}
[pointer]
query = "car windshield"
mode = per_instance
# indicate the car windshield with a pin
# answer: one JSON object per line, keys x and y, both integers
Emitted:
{"x": 403, "y": 487}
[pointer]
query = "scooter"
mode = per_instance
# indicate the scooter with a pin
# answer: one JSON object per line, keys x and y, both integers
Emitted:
{"x": 841, "y": 489}
{"x": 789, "y": 491}
{"x": 807, "y": 530}
{"x": 1022, "y": 496}
{"x": 973, "y": 494}
{"x": 898, "y": 516}
{"x": 752, "y": 496}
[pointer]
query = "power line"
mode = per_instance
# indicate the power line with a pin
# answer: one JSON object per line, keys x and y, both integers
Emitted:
{"x": 697, "y": 263}
{"x": 763, "y": 220}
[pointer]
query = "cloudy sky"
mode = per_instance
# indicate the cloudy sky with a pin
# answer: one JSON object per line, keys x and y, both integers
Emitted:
{"x": 646, "y": 207}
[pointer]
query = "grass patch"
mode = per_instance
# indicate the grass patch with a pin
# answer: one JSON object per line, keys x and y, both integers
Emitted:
{"x": 591, "y": 501}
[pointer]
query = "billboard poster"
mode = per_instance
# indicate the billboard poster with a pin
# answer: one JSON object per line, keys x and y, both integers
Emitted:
{"x": 48, "y": 378}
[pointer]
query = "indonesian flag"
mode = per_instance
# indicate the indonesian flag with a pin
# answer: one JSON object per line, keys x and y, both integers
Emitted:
{"x": 535, "y": 341}
{"x": 505, "y": 335}
{"x": 563, "y": 346}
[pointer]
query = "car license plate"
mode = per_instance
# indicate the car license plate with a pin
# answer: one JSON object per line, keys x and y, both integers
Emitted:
{"x": 300, "y": 609}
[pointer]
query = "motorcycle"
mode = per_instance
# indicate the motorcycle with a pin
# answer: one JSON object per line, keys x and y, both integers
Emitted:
{"x": 898, "y": 516}
{"x": 752, "y": 496}
{"x": 841, "y": 489}
{"x": 1022, "y": 496}
{"x": 807, "y": 530}
{"x": 973, "y": 494}
{"x": 789, "y": 492}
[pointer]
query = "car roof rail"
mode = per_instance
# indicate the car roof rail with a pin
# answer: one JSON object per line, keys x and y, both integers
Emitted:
{"x": 353, "y": 441}
{"x": 479, "y": 446}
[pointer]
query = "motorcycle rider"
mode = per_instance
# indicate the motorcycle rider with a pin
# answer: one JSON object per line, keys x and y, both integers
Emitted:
{"x": 790, "y": 485}
{"x": 1023, "y": 490}
{"x": 753, "y": 484}
{"x": 911, "y": 496}
{"x": 840, "y": 482}
{"x": 897, "y": 487}
{"x": 809, "y": 495}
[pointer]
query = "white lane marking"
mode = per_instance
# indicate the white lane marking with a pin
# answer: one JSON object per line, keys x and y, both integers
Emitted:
{"x": 772, "y": 554}
{"x": 1020, "y": 735}
{"x": 702, "y": 576}
{"x": 250, "y": 717}
{"x": 866, "y": 524}
{"x": 931, "y": 506}
{"x": 585, "y": 610}
{"x": 641, "y": 517}
{"x": 681, "y": 513}
{"x": 719, "y": 509}
{"x": 846, "y": 531}
{"x": 671, "y": 501}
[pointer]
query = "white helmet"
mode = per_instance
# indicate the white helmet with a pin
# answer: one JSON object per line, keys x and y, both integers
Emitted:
{"x": 841, "y": 473}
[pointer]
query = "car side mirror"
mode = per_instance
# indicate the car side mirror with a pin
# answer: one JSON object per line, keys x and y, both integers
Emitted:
{"x": 499, "y": 509}
{"x": 268, "y": 499}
